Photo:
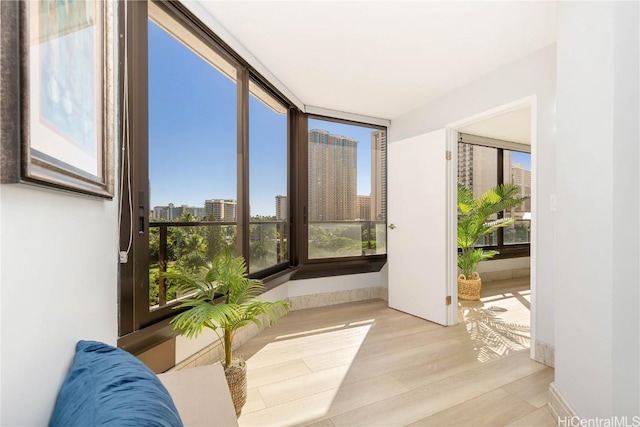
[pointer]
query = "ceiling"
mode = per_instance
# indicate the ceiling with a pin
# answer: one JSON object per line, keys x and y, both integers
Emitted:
{"x": 383, "y": 58}
{"x": 514, "y": 126}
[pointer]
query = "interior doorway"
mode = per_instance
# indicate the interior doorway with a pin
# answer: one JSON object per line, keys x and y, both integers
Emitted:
{"x": 489, "y": 148}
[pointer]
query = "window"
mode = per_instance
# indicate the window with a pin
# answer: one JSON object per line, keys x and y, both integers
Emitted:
{"x": 217, "y": 157}
{"x": 192, "y": 154}
{"x": 268, "y": 177}
{"x": 483, "y": 167}
{"x": 478, "y": 169}
{"x": 197, "y": 112}
{"x": 517, "y": 169}
{"x": 346, "y": 190}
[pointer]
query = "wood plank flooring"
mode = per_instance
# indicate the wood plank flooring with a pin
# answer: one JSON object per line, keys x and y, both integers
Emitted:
{"x": 366, "y": 364}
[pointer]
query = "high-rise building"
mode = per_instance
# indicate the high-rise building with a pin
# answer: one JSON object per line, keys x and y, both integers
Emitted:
{"x": 364, "y": 207}
{"x": 159, "y": 212}
{"x": 465, "y": 164}
{"x": 220, "y": 209}
{"x": 172, "y": 212}
{"x": 521, "y": 177}
{"x": 332, "y": 176}
{"x": 194, "y": 210}
{"x": 477, "y": 168}
{"x": 378, "y": 176}
{"x": 281, "y": 208}
{"x": 478, "y": 165}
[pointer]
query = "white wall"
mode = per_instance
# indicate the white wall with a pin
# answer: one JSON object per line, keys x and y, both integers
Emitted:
{"x": 58, "y": 285}
{"x": 321, "y": 285}
{"x": 533, "y": 75}
{"x": 597, "y": 344}
{"x": 58, "y": 281}
{"x": 504, "y": 264}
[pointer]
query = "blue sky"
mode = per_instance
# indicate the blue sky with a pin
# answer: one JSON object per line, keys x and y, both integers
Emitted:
{"x": 192, "y": 134}
{"x": 524, "y": 158}
{"x": 192, "y": 126}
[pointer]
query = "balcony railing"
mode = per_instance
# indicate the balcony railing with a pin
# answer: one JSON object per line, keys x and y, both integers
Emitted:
{"x": 268, "y": 244}
{"x": 332, "y": 239}
{"x": 190, "y": 245}
{"x": 519, "y": 232}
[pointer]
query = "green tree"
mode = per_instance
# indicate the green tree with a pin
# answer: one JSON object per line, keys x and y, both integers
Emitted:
{"x": 193, "y": 253}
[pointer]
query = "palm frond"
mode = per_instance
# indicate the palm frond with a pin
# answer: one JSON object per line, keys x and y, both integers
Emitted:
{"x": 474, "y": 220}
{"x": 226, "y": 275}
{"x": 202, "y": 315}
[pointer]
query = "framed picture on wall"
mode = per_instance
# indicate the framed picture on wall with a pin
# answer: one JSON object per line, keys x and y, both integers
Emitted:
{"x": 61, "y": 86}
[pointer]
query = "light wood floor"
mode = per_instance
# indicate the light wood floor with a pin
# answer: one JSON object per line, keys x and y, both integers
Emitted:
{"x": 366, "y": 364}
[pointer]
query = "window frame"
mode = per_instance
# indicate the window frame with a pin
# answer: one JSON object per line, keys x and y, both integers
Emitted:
{"x": 139, "y": 328}
{"x": 135, "y": 317}
{"x": 505, "y": 251}
{"x": 270, "y": 271}
{"x": 323, "y": 267}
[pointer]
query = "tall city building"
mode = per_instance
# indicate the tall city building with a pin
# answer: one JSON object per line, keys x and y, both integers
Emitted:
{"x": 332, "y": 176}
{"x": 521, "y": 177}
{"x": 281, "y": 208}
{"x": 478, "y": 166}
{"x": 159, "y": 212}
{"x": 465, "y": 164}
{"x": 364, "y": 207}
{"x": 378, "y": 176}
{"x": 220, "y": 209}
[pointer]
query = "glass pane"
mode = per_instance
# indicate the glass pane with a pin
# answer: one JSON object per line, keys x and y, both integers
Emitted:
{"x": 268, "y": 207}
{"x": 478, "y": 169}
{"x": 192, "y": 155}
{"x": 185, "y": 245}
{"x": 517, "y": 170}
{"x": 347, "y": 190}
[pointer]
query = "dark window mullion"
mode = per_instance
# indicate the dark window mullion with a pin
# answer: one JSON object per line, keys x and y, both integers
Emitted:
{"x": 500, "y": 234}
{"x": 242, "y": 206}
{"x": 292, "y": 184}
{"x": 134, "y": 273}
{"x": 302, "y": 188}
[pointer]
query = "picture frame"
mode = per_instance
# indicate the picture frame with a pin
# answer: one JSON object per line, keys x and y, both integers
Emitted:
{"x": 57, "y": 79}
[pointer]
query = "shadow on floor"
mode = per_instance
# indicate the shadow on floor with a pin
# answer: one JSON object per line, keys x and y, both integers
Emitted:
{"x": 499, "y": 323}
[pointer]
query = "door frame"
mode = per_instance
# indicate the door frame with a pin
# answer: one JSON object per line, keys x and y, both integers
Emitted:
{"x": 452, "y": 145}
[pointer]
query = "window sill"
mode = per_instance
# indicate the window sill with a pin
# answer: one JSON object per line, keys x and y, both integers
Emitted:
{"x": 335, "y": 267}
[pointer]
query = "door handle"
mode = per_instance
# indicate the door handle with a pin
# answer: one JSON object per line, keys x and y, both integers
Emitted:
{"x": 392, "y": 226}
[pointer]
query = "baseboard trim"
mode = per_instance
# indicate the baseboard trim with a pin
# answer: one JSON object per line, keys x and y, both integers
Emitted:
{"x": 559, "y": 407}
{"x": 513, "y": 273}
{"x": 303, "y": 302}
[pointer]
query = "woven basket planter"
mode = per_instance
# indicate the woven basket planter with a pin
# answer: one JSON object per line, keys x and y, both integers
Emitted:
{"x": 469, "y": 289}
{"x": 236, "y": 375}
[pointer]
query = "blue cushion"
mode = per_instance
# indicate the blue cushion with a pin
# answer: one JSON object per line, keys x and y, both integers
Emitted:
{"x": 110, "y": 387}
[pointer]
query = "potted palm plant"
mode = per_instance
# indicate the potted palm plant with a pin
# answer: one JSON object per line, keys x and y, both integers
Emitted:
{"x": 473, "y": 224}
{"x": 223, "y": 297}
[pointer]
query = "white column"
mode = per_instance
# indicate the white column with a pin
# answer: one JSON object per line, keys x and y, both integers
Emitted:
{"x": 598, "y": 187}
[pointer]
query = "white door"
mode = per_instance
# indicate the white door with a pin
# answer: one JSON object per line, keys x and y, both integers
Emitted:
{"x": 417, "y": 217}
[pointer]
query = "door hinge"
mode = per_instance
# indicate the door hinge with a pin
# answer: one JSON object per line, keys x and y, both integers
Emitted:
{"x": 448, "y": 300}
{"x": 448, "y": 155}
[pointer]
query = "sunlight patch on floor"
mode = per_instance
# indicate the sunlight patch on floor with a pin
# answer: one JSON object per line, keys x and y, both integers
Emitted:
{"x": 309, "y": 390}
